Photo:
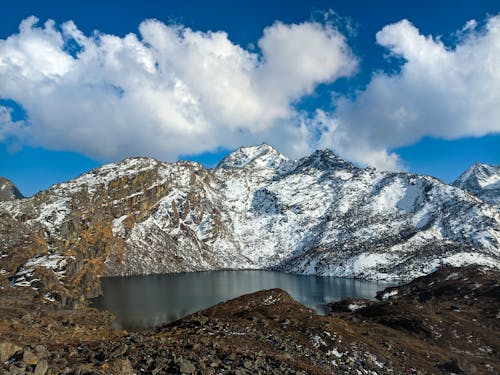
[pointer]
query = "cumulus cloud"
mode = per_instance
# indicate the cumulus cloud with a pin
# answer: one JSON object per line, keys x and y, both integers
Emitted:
{"x": 440, "y": 91}
{"x": 168, "y": 90}
{"x": 10, "y": 130}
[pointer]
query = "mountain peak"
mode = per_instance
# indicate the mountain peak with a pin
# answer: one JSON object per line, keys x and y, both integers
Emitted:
{"x": 8, "y": 191}
{"x": 482, "y": 180}
{"x": 263, "y": 156}
{"x": 484, "y": 176}
{"x": 325, "y": 159}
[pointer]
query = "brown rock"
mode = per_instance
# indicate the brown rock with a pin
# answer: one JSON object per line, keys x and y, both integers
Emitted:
{"x": 123, "y": 367}
{"x": 29, "y": 358}
{"x": 40, "y": 349}
{"x": 119, "y": 351}
{"x": 7, "y": 350}
{"x": 41, "y": 368}
{"x": 187, "y": 367}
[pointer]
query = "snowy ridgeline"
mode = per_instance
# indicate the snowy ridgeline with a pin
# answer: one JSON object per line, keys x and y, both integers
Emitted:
{"x": 316, "y": 215}
{"x": 482, "y": 180}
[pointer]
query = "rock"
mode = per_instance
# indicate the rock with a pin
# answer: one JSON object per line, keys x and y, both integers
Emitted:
{"x": 7, "y": 350}
{"x": 247, "y": 364}
{"x": 40, "y": 349}
{"x": 451, "y": 366}
{"x": 119, "y": 351}
{"x": 29, "y": 358}
{"x": 186, "y": 367}
{"x": 14, "y": 370}
{"x": 41, "y": 368}
{"x": 123, "y": 367}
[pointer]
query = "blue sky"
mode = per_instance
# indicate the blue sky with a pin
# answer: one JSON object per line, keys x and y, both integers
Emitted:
{"x": 441, "y": 128}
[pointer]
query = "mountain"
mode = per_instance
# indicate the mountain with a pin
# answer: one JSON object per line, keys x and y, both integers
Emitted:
{"x": 483, "y": 180}
{"x": 256, "y": 210}
{"x": 8, "y": 191}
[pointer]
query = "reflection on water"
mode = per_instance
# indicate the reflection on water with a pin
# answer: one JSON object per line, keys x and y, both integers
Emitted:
{"x": 146, "y": 301}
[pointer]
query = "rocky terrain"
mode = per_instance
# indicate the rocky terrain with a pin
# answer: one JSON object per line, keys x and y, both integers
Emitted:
{"x": 257, "y": 209}
{"x": 444, "y": 323}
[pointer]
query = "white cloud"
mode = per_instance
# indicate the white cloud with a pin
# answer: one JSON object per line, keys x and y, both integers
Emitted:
{"x": 168, "y": 91}
{"x": 10, "y": 130}
{"x": 171, "y": 90}
{"x": 469, "y": 25}
{"x": 440, "y": 92}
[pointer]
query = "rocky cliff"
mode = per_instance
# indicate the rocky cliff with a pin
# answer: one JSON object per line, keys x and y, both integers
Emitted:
{"x": 256, "y": 209}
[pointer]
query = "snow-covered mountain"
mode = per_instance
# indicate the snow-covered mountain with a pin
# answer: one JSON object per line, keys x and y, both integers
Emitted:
{"x": 256, "y": 209}
{"x": 483, "y": 180}
{"x": 8, "y": 191}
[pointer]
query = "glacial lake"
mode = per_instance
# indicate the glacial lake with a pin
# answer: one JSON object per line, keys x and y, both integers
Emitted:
{"x": 146, "y": 301}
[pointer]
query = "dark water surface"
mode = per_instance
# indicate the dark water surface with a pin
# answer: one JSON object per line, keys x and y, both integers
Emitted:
{"x": 146, "y": 301}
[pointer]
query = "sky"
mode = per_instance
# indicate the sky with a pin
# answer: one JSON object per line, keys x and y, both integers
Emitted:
{"x": 405, "y": 86}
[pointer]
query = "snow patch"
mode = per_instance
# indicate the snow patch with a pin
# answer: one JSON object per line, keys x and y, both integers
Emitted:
{"x": 57, "y": 263}
{"x": 466, "y": 258}
{"x": 52, "y": 214}
{"x": 389, "y": 197}
{"x": 118, "y": 228}
{"x": 317, "y": 341}
{"x": 343, "y": 175}
{"x": 334, "y": 352}
{"x": 389, "y": 295}
{"x": 354, "y": 306}
{"x": 408, "y": 201}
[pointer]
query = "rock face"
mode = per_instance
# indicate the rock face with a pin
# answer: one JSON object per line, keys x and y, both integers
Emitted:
{"x": 256, "y": 209}
{"x": 8, "y": 191}
{"x": 483, "y": 180}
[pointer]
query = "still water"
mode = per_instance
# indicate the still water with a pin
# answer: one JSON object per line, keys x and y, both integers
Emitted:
{"x": 146, "y": 301}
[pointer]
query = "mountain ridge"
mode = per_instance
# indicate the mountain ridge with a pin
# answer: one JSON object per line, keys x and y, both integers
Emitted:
{"x": 256, "y": 210}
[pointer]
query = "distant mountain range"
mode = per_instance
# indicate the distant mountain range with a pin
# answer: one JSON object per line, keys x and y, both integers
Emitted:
{"x": 255, "y": 210}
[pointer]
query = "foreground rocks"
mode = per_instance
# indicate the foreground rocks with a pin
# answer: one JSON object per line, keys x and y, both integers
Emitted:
{"x": 447, "y": 322}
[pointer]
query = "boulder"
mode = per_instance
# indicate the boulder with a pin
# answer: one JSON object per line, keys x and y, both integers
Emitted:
{"x": 8, "y": 350}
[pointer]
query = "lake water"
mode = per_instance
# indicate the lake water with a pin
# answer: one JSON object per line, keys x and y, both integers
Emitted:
{"x": 146, "y": 301}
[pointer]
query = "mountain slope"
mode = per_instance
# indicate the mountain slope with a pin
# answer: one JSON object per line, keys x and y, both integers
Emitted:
{"x": 483, "y": 180}
{"x": 322, "y": 215}
{"x": 256, "y": 209}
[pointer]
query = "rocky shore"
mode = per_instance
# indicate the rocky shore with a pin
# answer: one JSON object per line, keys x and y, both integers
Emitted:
{"x": 443, "y": 323}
